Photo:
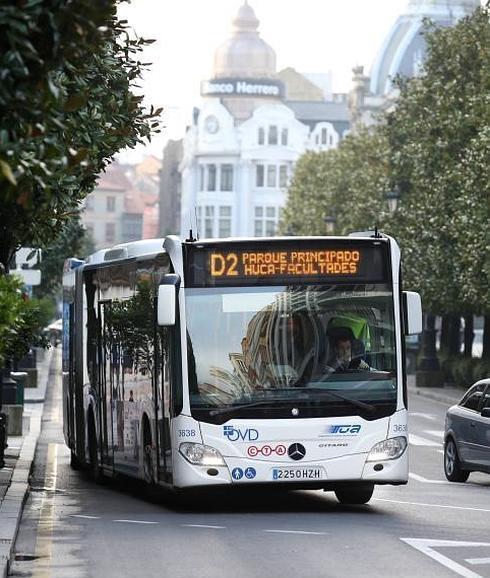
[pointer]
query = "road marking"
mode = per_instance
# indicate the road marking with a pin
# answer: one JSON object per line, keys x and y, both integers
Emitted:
{"x": 432, "y": 505}
{"x": 420, "y": 441}
{"x": 44, "y": 540}
{"x": 426, "y": 547}
{"x": 418, "y": 478}
{"x": 135, "y": 521}
{"x": 85, "y": 517}
{"x": 297, "y": 532}
{"x": 203, "y": 526}
{"x": 438, "y": 433}
{"x": 424, "y": 415}
{"x": 478, "y": 560}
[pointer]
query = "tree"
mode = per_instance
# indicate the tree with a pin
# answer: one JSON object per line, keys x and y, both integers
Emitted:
{"x": 439, "y": 148}
{"x": 73, "y": 241}
{"x": 67, "y": 106}
{"x": 438, "y": 135}
{"x": 21, "y": 322}
{"x": 348, "y": 183}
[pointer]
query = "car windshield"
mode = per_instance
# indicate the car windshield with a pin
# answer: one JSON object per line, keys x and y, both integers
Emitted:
{"x": 284, "y": 351}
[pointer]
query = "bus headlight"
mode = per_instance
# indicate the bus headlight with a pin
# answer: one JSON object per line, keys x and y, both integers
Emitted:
{"x": 201, "y": 455}
{"x": 389, "y": 449}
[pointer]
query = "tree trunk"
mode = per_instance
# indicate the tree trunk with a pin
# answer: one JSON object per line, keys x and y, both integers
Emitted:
{"x": 468, "y": 335}
{"x": 428, "y": 357}
{"x": 486, "y": 338}
{"x": 450, "y": 335}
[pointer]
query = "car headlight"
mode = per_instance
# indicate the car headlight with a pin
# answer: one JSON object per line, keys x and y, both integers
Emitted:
{"x": 201, "y": 455}
{"x": 389, "y": 449}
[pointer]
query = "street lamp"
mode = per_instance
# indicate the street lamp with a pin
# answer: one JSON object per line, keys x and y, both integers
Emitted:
{"x": 330, "y": 223}
{"x": 392, "y": 198}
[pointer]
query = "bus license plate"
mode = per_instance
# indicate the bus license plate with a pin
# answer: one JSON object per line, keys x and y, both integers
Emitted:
{"x": 298, "y": 473}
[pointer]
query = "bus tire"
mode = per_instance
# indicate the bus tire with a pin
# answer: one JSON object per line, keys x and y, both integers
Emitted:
{"x": 94, "y": 467}
{"x": 355, "y": 495}
{"x": 75, "y": 463}
{"x": 148, "y": 454}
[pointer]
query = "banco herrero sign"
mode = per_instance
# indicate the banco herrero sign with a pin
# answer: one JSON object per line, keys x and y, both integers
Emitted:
{"x": 242, "y": 87}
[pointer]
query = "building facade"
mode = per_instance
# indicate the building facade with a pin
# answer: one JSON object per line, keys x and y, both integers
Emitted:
{"x": 123, "y": 207}
{"x": 402, "y": 53}
{"x": 238, "y": 155}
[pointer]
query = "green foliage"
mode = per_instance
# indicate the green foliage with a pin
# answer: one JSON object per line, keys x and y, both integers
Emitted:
{"x": 439, "y": 149}
{"x": 21, "y": 320}
{"x": 464, "y": 371}
{"x": 73, "y": 241}
{"x": 347, "y": 183}
{"x": 434, "y": 148}
{"x": 66, "y": 107}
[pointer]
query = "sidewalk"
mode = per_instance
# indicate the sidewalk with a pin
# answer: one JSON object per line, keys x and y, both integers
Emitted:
{"x": 14, "y": 477}
{"x": 445, "y": 393}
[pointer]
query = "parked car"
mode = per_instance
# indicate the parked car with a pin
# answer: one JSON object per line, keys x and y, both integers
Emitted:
{"x": 467, "y": 434}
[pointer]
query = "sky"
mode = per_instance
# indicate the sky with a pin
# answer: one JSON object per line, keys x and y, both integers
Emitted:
{"x": 308, "y": 35}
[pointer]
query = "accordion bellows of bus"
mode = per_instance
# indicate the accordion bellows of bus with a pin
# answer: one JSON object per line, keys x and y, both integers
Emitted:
{"x": 240, "y": 362}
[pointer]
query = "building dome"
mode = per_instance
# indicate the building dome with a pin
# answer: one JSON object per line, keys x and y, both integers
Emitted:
{"x": 403, "y": 51}
{"x": 245, "y": 54}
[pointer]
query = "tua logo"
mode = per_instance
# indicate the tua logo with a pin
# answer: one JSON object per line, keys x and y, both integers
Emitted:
{"x": 344, "y": 429}
{"x": 236, "y": 434}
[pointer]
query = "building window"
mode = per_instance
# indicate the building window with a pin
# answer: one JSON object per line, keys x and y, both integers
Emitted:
{"x": 90, "y": 229}
{"x": 273, "y": 135}
{"x": 226, "y": 181}
{"x": 208, "y": 221}
{"x": 261, "y": 136}
{"x": 259, "y": 176}
{"x": 202, "y": 171}
{"x": 284, "y": 136}
{"x": 224, "y": 224}
{"x": 271, "y": 175}
{"x": 110, "y": 232}
{"x": 211, "y": 184}
{"x": 324, "y": 136}
{"x": 89, "y": 203}
{"x": 111, "y": 204}
{"x": 283, "y": 176}
{"x": 266, "y": 221}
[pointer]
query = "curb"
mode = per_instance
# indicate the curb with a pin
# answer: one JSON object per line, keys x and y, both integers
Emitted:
{"x": 13, "y": 503}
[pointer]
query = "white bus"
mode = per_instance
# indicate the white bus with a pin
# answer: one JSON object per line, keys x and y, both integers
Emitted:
{"x": 240, "y": 362}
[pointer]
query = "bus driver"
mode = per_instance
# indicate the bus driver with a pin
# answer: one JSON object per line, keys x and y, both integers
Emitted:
{"x": 345, "y": 352}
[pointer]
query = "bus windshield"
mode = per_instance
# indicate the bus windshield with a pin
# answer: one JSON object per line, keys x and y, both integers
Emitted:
{"x": 289, "y": 351}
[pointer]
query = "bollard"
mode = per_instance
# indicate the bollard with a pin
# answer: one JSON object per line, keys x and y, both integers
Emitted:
{"x": 20, "y": 377}
{"x": 3, "y": 438}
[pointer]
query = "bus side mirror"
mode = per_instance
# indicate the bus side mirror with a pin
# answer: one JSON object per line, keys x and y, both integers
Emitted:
{"x": 413, "y": 312}
{"x": 166, "y": 305}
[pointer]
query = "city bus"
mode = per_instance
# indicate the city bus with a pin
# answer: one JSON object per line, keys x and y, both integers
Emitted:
{"x": 240, "y": 362}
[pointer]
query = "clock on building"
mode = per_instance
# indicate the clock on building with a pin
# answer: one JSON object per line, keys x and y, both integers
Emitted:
{"x": 211, "y": 124}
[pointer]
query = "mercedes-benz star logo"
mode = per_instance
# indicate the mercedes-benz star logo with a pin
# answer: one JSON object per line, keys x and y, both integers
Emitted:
{"x": 296, "y": 451}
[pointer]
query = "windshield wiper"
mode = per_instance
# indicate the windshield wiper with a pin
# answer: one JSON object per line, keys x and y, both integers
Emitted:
{"x": 367, "y": 407}
{"x": 357, "y": 403}
{"x": 233, "y": 408}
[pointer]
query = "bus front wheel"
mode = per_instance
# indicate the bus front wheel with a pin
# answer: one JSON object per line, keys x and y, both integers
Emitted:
{"x": 355, "y": 495}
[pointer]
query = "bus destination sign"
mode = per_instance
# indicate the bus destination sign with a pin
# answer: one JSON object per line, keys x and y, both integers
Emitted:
{"x": 261, "y": 265}
{"x": 280, "y": 263}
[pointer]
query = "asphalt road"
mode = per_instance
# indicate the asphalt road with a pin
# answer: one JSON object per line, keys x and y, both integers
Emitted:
{"x": 73, "y": 528}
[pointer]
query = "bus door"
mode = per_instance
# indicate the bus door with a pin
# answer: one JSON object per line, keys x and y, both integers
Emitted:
{"x": 163, "y": 397}
{"x": 104, "y": 381}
